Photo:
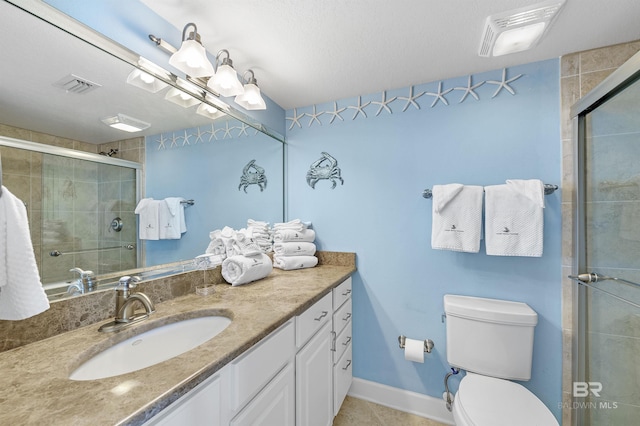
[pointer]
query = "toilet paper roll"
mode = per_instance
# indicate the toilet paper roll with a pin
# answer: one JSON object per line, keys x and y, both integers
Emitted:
{"x": 414, "y": 350}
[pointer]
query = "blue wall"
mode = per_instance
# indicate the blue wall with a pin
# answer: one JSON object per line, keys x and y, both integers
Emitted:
{"x": 386, "y": 161}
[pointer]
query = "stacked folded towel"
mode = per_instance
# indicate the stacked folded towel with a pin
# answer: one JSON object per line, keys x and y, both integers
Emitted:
{"x": 293, "y": 245}
{"x": 261, "y": 234}
{"x": 161, "y": 219}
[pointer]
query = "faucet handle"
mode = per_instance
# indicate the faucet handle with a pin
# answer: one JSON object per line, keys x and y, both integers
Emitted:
{"x": 128, "y": 282}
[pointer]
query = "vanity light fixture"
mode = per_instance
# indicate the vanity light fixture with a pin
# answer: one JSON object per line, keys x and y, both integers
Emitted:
{"x": 209, "y": 111}
{"x": 125, "y": 123}
{"x": 225, "y": 81}
{"x": 181, "y": 98}
{"x": 250, "y": 99}
{"x": 145, "y": 81}
{"x": 519, "y": 29}
{"x": 191, "y": 58}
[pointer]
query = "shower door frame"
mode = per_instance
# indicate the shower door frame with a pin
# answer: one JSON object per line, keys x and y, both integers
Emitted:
{"x": 616, "y": 82}
{"x": 87, "y": 156}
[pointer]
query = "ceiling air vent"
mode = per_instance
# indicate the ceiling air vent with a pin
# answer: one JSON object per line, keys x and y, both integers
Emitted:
{"x": 520, "y": 29}
{"x": 74, "y": 84}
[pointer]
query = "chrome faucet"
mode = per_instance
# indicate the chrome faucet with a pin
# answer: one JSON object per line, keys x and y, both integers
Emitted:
{"x": 86, "y": 282}
{"x": 125, "y": 310}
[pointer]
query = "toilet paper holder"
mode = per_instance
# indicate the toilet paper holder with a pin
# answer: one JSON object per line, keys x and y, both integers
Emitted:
{"x": 428, "y": 343}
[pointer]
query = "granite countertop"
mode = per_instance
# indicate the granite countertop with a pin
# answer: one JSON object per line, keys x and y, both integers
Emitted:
{"x": 34, "y": 383}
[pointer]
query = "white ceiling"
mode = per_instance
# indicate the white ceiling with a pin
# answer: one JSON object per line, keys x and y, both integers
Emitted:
{"x": 306, "y": 52}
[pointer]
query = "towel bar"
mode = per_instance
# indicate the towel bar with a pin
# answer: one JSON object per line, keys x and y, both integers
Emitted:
{"x": 188, "y": 202}
{"x": 548, "y": 190}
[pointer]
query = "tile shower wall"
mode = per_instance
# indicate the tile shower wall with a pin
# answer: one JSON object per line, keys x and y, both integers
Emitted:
{"x": 28, "y": 175}
{"x": 581, "y": 72}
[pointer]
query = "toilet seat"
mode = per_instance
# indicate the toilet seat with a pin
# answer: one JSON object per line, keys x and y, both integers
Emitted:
{"x": 488, "y": 401}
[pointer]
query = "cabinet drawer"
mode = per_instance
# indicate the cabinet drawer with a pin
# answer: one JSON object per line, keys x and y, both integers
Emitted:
{"x": 341, "y": 293}
{"x": 251, "y": 371}
{"x": 342, "y": 375}
{"x": 343, "y": 341}
{"x": 342, "y": 317}
{"x": 312, "y": 319}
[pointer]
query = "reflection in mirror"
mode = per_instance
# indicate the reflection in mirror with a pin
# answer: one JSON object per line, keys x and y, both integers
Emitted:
{"x": 182, "y": 153}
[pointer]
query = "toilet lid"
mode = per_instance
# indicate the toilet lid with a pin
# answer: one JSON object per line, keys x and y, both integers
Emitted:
{"x": 487, "y": 401}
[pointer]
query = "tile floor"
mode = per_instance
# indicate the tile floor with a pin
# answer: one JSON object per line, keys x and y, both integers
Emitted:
{"x": 355, "y": 412}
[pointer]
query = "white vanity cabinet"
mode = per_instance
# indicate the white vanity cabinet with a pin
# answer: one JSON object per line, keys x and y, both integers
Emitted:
{"x": 201, "y": 406}
{"x": 314, "y": 382}
{"x": 297, "y": 375}
{"x": 341, "y": 350}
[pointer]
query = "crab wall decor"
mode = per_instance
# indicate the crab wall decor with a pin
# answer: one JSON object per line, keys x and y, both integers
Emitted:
{"x": 325, "y": 167}
{"x": 252, "y": 174}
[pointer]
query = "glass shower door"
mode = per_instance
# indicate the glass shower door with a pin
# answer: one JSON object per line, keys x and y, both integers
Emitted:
{"x": 608, "y": 392}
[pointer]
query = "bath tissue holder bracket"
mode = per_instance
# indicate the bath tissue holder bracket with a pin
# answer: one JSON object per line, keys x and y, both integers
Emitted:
{"x": 428, "y": 344}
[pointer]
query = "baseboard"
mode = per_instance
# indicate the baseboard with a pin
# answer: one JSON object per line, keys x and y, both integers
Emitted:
{"x": 403, "y": 400}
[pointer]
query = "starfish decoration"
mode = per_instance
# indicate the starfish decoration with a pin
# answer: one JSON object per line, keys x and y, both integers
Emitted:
{"x": 199, "y": 135}
{"x": 185, "y": 139}
{"x": 469, "y": 90}
{"x": 174, "y": 140}
{"x": 359, "y": 108}
{"x": 439, "y": 96}
{"x": 314, "y": 116}
{"x": 336, "y": 112}
{"x": 384, "y": 103}
{"x": 504, "y": 84}
{"x": 227, "y": 131}
{"x": 243, "y": 129}
{"x": 411, "y": 100}
{"x": 161, "y": 142}
{"x": 213, "y": 133}
{"x": 295, "y": 119}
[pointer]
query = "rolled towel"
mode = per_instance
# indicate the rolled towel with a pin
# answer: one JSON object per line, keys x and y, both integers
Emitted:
{"x": 284, "y": 235}
{"x": 238, "y": 270}
{"x": 289, "y": 263}
{"x": 294, "y": 248}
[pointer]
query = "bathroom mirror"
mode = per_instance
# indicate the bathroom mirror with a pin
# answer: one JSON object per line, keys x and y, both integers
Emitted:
{"x": 39, "y": 52}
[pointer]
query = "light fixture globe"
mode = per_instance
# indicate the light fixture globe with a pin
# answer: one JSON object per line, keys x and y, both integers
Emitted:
{"x": 191, "y": 58}
{"x": 251, "y": 99}
{"x": 225, "y": 81}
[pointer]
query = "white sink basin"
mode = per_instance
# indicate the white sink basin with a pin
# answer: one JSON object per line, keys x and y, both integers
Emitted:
{"x": 151, "y": 347}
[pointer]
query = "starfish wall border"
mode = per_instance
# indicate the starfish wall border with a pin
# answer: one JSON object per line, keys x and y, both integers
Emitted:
{"x": 411, "y": 102}
{"x": 230, "y": 129}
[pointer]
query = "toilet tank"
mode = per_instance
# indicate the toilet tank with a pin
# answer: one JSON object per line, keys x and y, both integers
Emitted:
{"x": 490, "y": 336}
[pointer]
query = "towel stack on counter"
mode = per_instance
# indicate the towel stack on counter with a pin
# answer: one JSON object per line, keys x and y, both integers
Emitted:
{"x": 241, "y": 253}
{"x": 293, "y": 245}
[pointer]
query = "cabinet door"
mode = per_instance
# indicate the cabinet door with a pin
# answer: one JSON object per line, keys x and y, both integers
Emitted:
{"x": 342, "y": 376}
{"x": 201, "y": 406}
{"x": 274, "y": 405}
{"x": 314, "y": 381}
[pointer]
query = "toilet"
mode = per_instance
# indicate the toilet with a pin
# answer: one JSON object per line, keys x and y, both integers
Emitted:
{"x": 492, "y": 340}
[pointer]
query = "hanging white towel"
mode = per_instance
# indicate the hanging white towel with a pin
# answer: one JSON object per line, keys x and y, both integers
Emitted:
{"x": 282, "y": 235}
{"x": 21, "y": 292}
{"x": 514, "y": 218}
{"x": 171, "y": 218}
{"x": 238, "y": 270}
{"x": 289, "y": 263}
{"x": 147, "y": 211}
{"x": 457, "y": 217}
{"x": 294, "y": 248}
